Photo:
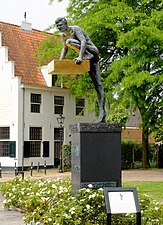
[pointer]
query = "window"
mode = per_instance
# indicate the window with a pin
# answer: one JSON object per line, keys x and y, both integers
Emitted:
{"x": 5, "y": 143}
{"x": 54, "y": 79}
{"x": 35, "y": 103}
{"x": 35, "y": 149}
{"x": 4, "y": 132}
{"x": 56, "y": 133}
{"x": 58, "y": 104}
{"x": 32, "y": 148}
{"x": 80, "y": 104}
{"x": 4, "y": 148}
{"x": 35, "y": 133}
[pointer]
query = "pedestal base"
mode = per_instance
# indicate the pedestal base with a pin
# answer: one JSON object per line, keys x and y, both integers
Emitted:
{"x": 96, "y": 155}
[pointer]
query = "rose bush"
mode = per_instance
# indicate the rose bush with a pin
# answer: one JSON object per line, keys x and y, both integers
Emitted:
{"x": 50, "y": 202}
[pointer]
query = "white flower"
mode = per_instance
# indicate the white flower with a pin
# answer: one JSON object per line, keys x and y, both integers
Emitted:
{"x": 88, "y": 206}
{"x": 100, "y": 189}
{"x": 66, "y": 215}
{"x": 145, "y": 195}
{"x": 4, "y": 201}
{"x": 54, "y": 186}
{"x": 72, "y": 209}
{"x": 49, "y": 219}
{"x": 90, "y": 185}
{"x": 41, "y": 184}
{"x": 92, "y": 196}
{"x": 61, "y": 188}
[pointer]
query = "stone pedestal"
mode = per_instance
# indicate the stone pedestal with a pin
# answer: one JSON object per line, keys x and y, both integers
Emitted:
{"x": 96, "y": 155}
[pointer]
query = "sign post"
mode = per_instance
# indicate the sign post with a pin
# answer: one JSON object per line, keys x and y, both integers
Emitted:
{"x": 122, "y": 200}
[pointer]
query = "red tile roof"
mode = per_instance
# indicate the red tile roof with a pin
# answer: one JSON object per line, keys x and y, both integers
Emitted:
{"x": 22, "y": 45}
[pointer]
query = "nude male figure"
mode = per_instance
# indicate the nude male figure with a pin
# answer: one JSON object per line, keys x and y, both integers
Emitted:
{"x": 76, "y": 38}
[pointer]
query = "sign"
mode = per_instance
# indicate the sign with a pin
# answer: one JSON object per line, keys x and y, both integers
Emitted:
{"x": 121, "y": 200}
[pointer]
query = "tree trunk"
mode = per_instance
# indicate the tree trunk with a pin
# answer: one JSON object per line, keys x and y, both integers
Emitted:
{"x": 145, "y": 149}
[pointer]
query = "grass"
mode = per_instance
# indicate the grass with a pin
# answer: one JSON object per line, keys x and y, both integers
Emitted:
{"x": 153, "y": 189}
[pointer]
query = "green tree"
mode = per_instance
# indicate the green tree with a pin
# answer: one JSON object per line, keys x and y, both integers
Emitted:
{"x": 129, "y": 35}
{"x": 139, "y": 72}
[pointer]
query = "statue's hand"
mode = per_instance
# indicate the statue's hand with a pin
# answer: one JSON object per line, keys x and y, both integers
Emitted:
{"x": 78, "y": 60}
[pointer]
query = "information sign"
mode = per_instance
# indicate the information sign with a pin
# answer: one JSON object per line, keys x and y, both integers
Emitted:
{"x": 121, "y": 200}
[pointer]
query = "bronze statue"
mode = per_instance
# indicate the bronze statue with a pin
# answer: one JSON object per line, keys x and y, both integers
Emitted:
{"x": 76, "y": 38}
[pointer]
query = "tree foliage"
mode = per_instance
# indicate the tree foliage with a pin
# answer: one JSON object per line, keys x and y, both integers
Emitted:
{"x": 129, "y": 35}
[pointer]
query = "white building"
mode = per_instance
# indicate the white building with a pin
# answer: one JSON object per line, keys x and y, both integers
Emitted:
{"x": 29, "y": 102}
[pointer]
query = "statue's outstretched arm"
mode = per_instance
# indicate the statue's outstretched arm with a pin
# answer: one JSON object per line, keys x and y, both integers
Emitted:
{"x": 64, "y": 50}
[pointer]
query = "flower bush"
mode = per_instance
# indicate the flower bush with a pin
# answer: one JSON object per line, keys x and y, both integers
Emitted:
{"x": 50, "y": 202}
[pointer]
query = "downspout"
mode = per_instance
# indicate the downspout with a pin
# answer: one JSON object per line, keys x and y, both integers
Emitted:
{"x": 23, "y": 129}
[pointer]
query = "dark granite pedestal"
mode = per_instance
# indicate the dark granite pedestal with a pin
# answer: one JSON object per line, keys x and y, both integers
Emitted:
{"x": 96, "y": 155}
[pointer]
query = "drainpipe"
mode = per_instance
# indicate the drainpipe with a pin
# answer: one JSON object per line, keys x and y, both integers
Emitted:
{"x": 23, "y": 129}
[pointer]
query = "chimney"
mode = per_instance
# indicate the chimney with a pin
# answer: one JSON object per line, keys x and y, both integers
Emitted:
{"x": 26, "y": 26}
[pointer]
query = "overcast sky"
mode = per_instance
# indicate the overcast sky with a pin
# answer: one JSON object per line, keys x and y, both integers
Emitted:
{"x": 38, "y": 12}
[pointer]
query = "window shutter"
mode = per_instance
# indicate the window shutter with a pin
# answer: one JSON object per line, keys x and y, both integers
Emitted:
{"x": 26, "y": 149}
{"x": 12, "y": 152}
{"x": 45, "y": 148}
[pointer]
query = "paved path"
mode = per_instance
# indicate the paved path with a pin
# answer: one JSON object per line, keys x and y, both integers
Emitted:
{"x": 9, "y": 217}
{"x": 16, "y": 218}
{"x": 142, "y": 175}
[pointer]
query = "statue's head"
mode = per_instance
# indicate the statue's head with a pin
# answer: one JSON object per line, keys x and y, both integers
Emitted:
{"x": 61, "y": 19}
{"x": 61, "y": 23}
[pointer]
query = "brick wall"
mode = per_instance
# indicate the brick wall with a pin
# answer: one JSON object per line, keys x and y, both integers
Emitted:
{"x": 134, "y": 134}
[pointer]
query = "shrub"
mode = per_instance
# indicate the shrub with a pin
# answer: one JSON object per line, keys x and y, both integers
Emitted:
{"x": 67, "y": 158}
{"x": 132, "y": 154}
{"x": 50, "y": 202}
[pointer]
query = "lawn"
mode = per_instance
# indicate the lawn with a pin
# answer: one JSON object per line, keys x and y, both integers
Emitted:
{"x": 151, "y": 188}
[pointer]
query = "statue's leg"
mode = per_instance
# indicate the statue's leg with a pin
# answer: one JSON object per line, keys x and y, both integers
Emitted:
{"x": 96, "y": 79}
{"x": 92, "y": 51}
{"x": 75, "y": 44}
